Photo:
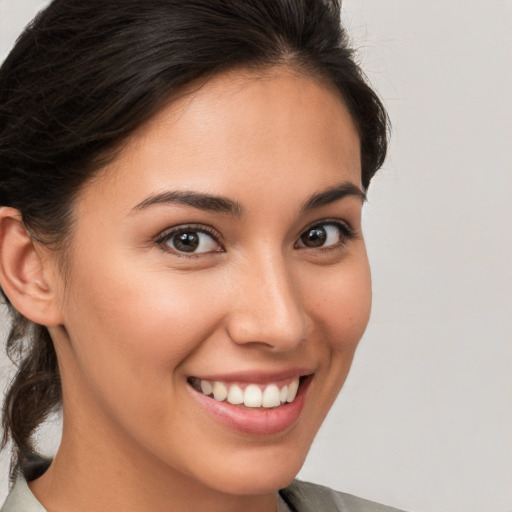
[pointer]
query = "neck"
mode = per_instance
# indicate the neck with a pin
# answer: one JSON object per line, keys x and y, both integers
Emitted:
{"x": 90, "y": 475}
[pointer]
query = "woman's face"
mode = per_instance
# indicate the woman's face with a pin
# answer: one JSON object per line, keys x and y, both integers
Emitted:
{"x": 220, "y": 253}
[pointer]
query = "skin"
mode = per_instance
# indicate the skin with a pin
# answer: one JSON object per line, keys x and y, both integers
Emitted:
{"x": 135, "y": 319}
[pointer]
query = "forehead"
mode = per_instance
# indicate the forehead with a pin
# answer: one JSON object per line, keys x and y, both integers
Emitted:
{"x": 240, "y": 129}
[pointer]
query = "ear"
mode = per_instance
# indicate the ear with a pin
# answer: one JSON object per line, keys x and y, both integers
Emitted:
{"x": 25, "y": 276}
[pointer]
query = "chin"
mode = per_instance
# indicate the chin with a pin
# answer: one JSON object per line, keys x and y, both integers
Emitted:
{"x": 257, "y": 482}
{"x": 265, "y": 473}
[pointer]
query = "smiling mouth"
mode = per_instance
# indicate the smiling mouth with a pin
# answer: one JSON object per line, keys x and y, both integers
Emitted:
{"x": 250, "y": 395}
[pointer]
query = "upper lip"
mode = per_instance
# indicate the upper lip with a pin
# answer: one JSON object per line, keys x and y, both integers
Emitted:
{"x": 256, "y": 376}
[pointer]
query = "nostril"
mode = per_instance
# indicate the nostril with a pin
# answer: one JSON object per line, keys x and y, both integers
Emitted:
{"x": 268, "y": 332}
{"x": 271, "y": 342}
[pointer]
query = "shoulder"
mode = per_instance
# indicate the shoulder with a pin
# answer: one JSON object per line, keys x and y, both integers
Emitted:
{"x": 307, "y": 497}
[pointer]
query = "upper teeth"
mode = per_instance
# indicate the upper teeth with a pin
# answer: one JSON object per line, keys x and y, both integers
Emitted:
{"x": 254, "y": 395}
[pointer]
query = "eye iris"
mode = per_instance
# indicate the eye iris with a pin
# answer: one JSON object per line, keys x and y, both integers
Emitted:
{"x": 315, "y": 237}
{"x": 186, "y": 242}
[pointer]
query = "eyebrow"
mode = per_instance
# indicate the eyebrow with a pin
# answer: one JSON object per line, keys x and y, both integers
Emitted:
{"x": 346, "y": 189}
{"x": 221, "y": 204}
{"x": 195, "y": 199}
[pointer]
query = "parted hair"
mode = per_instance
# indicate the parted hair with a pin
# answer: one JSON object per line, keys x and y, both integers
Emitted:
{"x": 85, "y": 74}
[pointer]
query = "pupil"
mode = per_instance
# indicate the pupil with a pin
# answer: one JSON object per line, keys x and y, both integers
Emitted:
{"x": 314, "y": 237}
{"x": 186, "y": 242}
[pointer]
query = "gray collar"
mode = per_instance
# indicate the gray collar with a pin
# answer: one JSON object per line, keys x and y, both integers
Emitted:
{"x": 21, "y": 499}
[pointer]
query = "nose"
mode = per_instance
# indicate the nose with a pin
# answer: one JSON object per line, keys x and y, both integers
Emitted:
{"x": 267, "y": 307}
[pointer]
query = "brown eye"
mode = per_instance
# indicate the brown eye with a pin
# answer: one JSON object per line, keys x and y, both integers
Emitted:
{"x": 314, "y": 237}
{"x": 328, "y": 234}
{"x": 185, "y": 242}
{"x": 191, "y": 241}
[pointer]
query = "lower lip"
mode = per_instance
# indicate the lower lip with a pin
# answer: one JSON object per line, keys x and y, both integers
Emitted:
{"x": 258, "y": 420}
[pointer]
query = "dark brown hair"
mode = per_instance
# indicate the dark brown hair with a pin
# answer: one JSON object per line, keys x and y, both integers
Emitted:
{"x": 85, "y": 74}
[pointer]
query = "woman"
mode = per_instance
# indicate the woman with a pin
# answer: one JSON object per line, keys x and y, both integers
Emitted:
{"x": 181, "y": 249}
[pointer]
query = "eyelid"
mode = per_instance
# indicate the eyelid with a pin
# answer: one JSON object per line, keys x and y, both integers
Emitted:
{"x": 345, "y": 227}
{"x": 165, "y": 235}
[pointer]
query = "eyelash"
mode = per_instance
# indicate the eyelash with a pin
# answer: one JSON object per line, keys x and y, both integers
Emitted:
{"x": 166, "y": 236}
{"x": 347, "y": 233}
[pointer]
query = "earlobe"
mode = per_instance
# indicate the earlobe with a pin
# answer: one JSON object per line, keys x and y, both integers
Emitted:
{"x": 23, "y": 272}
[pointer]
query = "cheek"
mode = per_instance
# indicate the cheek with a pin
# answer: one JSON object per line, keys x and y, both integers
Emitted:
{"x": 342, "y": 304}
{"x": 130, "y": 336}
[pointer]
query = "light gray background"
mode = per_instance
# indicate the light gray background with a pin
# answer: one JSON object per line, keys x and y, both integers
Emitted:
{"x": 424, "y": 422}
